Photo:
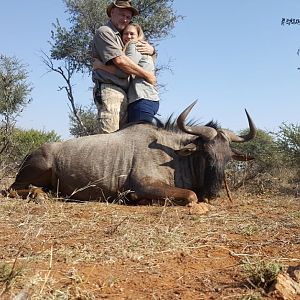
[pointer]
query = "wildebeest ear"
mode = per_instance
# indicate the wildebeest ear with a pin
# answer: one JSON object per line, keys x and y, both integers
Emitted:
{"x": 238, "y": 155}
{"x": 187, "y": 150}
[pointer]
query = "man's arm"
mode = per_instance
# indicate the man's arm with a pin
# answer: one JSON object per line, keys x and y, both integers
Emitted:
{"x": 97, "y": 64}
{"x": 129, "y": 67}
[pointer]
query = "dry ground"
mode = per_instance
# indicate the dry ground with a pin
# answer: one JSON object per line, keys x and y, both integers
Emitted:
{"x": 63, "y": 250}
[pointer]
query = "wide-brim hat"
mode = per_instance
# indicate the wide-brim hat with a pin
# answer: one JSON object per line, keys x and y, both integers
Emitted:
{"x": 121, "y": 4}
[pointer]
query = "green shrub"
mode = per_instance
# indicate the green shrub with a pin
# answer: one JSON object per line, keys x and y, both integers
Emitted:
{"x": 18, "y": 145}
{"x": 262, "y": 273}
{"x": 24, "y": 141}
{"x": 288, "y": 142}
{"x": 267, "y": 160}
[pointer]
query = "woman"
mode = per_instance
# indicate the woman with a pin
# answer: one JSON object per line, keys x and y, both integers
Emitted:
{"x": 143, "y": 99}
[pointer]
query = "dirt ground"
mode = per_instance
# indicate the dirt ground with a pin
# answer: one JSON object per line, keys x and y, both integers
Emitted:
{"x": 64, "y": 250}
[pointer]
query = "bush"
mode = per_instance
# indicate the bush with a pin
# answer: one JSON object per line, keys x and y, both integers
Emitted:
{"x": 262, "y": 273}
{"x": 267, "y": 159}
{"x": 24, "y": 141}
{"x": 288, "y": 141}
{"x": 276, "y": 164}
{"x": 21, "y": 142}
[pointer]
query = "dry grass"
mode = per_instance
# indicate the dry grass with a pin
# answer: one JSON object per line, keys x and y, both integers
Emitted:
{"x": 59, "y": 250}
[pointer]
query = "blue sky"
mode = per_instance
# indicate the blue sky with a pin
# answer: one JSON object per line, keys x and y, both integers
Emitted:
{"x": 228, "y": 54}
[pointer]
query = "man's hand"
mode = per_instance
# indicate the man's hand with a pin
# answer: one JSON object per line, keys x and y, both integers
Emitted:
{"x": 145, "y": 48}
{"x": 150, "y": 78}
{"x": 98, "y": 64}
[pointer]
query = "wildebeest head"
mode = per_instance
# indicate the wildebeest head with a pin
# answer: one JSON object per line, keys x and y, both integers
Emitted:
{"x": 212, "y": 151}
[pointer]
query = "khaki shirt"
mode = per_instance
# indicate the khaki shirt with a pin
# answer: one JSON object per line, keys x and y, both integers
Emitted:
{"x": 107, "y": 45}
{"x": 139, "y": 88}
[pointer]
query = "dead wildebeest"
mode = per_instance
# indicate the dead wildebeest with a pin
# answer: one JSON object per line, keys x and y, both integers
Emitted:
{"x": 141, "y": 160}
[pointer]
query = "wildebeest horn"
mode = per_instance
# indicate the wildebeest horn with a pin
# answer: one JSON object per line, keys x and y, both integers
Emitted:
{"x": 205, "y": 132}
{"x": 243, "y": 138}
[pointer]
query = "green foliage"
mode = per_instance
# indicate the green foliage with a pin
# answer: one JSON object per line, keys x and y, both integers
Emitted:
{"x": 25, "y": 141}
{"x": 14, "y": 89}
{"x": 262, "y": 273}
{"x": 275, "y": 167}
{"x": 252, "y": 296}
{"x": 21, "y": 143}
{"x": 157, "y": 18}
{"x": 8, "y": 274}
{"x": 267, "y": 158}
{"x": 88, "y": 116}
{"x": 264, "y": 149}
{"x": 14, "y": 96}
{"x": 288, "y": 141}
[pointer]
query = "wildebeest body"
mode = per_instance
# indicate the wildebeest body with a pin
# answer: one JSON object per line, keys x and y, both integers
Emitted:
{"x": 146, "y": 161}
{"x": 112, "y": 163}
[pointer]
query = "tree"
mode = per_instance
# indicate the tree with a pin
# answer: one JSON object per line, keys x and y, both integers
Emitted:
{"x": 71, "y": 46}
{"x": 288, "y": 141}
{"x": 14, "y": 96}
{"x": 88, "y": 118}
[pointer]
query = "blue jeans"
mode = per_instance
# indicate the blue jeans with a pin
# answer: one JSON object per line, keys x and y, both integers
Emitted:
{"x": 142, "y": 110}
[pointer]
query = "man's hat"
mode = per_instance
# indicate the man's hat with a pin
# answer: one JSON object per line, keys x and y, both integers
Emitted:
{"x": 121, "y": 4}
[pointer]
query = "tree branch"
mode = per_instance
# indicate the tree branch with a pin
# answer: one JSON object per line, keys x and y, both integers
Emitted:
{"x": 66, "y": 74}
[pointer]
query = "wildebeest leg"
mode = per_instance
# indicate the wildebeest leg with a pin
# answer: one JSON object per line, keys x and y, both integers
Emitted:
{"x": 157, "y": 190}
{"x": 28, "y": 185}
{"x": 32, "y": 193}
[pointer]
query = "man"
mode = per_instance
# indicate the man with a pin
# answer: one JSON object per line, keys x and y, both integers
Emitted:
{"x": 110, "y": 90}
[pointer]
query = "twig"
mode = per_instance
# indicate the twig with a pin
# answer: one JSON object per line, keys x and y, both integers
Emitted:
{"x": 10, "y": 275}
{"x": 89, "y": 185}
{"x": 227, "y": 188}
{"x": 49, "y": 270}
{"x": 244, "y": 254}
{"x": 114, "y": 229}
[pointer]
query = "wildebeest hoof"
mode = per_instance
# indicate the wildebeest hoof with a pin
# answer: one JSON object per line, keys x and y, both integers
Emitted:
{"x": 37, "y": 195}
{"x": 199, "y": 208}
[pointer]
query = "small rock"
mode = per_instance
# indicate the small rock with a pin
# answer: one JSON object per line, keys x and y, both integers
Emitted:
{"x": 285, "y": 287}
{"x": 294, "y": 272}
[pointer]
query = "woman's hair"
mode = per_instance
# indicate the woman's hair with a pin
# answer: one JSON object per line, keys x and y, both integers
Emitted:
{"x": 140, "y": 32}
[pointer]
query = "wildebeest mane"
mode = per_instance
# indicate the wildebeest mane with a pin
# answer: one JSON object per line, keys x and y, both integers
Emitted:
{"x": 213, "y": 124}
{"x": 171, "y": 124}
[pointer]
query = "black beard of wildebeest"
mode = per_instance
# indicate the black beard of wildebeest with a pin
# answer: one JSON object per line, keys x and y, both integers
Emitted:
{"x": 141, "y": 161}
{"x": 214, "y": 170}
{"x": 209, "y": 162}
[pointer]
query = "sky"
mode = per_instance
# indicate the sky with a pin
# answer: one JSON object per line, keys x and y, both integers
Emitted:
{"x": 231, "y": 55}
